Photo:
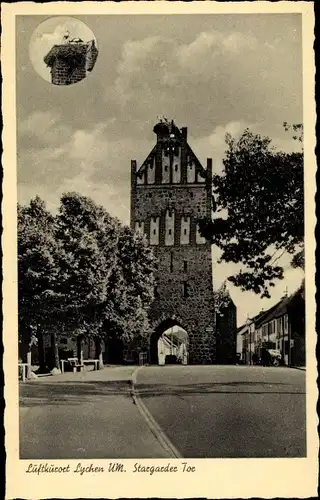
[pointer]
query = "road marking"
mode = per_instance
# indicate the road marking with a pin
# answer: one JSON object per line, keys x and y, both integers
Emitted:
{"x": 154, "y": 426}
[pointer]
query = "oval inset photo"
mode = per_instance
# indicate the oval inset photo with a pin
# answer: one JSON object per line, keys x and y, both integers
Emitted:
{"x": 63, "y": 50}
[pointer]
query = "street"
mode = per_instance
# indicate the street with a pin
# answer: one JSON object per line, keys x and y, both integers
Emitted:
{"x": 204, "y": 411}
{"x": 228, "y": 411}
{"x": 84, "y": 415}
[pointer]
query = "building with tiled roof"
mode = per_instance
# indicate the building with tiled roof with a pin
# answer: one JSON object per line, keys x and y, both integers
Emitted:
{"x": 282, "y": 327}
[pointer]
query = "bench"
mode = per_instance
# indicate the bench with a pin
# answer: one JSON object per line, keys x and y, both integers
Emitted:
{"x": 74, "y": 363}
{"x": 94, "y": 362}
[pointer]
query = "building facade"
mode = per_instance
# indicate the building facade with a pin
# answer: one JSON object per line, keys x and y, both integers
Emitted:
{"x": 282, "y": 328}
{"x": 170, "y": 192}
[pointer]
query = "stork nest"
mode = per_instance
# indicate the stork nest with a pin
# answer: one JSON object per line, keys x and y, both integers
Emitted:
{"x": 74, "y": 54}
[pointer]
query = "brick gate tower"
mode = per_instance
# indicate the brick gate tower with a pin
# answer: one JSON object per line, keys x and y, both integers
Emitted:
{"x": 170, "y": 191}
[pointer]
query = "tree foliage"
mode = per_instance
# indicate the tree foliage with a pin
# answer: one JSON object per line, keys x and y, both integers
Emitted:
{"x": 260, "y": 209}
{"x": 38, "y": 271}
{"x": 81, "y": 272}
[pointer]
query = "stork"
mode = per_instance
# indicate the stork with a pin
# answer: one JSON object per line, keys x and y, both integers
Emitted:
{"x": 66, "y": 36}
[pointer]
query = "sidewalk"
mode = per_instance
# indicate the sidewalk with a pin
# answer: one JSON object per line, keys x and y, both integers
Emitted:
{"x": 85, "y": 415}
{"x": 108, "y": 373}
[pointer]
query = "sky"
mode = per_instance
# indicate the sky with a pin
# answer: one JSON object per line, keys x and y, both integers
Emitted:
{"x": 212, "y": 73}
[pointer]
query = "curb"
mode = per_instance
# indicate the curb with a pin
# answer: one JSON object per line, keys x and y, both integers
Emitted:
{"x": 154, "y": 427}
{"x": 302, "y": 368}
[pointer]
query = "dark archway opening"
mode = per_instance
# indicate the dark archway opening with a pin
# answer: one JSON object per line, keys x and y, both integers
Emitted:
{"x": 173, "y": 335}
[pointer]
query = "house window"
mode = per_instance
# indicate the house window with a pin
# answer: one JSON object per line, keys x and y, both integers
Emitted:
{"x": 285, "y": 319}
{"x": 185, "y": 289}
{"x": 63, "y": 341}
{"x": 281, "y": 326}
{"x": 191, "y": 194}
{"x": 156, "y": 292}
{"x": 150, "y": 194}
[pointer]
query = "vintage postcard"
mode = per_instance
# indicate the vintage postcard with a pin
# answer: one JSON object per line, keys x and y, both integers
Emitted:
{"x": 159, "y": 249}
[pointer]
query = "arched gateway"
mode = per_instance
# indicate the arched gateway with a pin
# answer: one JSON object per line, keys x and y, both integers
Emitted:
{"x": 169, "y": 193}
{"x": 169, "y": 343}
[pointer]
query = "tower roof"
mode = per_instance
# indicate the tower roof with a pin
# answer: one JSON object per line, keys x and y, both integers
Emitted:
{"x": 168, "y": 132}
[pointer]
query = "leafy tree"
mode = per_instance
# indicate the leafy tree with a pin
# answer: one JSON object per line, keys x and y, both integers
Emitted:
{"x": 88, "y": 236}
{"x": 38, "y": 273}
{"x": 131, "y": 289}
{"x": 260, "y": 194}
{"x": 82, "y": 274}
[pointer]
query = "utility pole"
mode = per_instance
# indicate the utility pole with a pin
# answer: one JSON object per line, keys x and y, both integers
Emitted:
{"x": 249, "y": 328}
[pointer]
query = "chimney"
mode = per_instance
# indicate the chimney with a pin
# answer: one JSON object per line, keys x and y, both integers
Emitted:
{"x": 67, "y": 63}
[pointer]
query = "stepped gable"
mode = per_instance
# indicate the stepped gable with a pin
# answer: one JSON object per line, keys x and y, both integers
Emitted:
{"x": 171, "y": 136}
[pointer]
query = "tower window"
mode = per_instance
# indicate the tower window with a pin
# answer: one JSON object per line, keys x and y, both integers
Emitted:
{"x": 176, "y": 168}
{"x": 166, "y": 168}
{"x": 185, "y": 265}
{"x": 171, "y": 262}
{"x": 170, "y": 195}
{"x": 169, "y": 231}
{"x": 150, "y": 194}
{"x": 154, "y": 231}
{"x": 185, "y": 231}
{"x": 156, "y": 292}
{"x": 191, "y": 194}
{"x": 185, "y": 289}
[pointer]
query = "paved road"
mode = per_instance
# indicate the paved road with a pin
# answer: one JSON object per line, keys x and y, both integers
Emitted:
{"x": 228, "y": 411}
{"x": 89, "y": 415}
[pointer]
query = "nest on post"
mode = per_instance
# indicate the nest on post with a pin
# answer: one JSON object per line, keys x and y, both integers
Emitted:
{"x": 74, "y": 55}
